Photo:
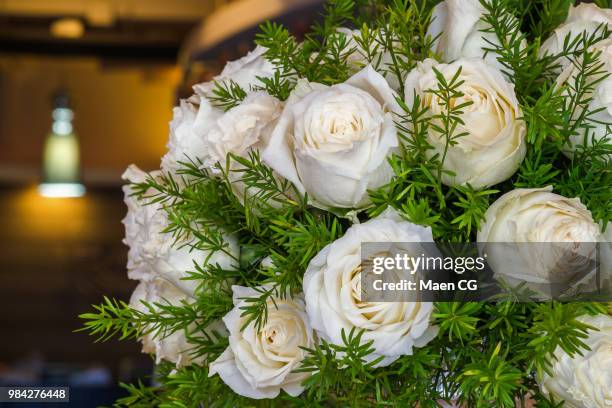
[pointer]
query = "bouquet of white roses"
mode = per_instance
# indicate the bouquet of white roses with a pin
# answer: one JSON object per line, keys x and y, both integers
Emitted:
{"x": 426, "y": 121}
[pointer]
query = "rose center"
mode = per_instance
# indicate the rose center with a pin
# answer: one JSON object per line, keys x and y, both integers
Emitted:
{"x": 338, "y": 121}
{"x": 271, "y": 336}
{"x": 367, "y": 308}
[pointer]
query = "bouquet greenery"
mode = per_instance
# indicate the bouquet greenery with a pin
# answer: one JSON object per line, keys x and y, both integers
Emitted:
{"x": 402, "y": 120}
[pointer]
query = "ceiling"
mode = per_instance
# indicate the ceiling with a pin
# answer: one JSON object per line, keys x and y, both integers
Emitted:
{"x": 105, "y": 12}
{"x": 132, "y": 29}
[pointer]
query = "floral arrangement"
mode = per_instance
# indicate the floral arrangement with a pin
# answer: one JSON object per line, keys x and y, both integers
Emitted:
{"x": 426, "y": 121}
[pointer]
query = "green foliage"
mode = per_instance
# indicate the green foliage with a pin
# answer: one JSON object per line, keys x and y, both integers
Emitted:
{"x": 515, "y": 54}
{"x": 546, "y": 15}
{"x": 603, "y": 3}
{"x": 453, "y": 213}
{"x": 116, "y": 319}
{"x": 187, "y": 387}
{"x": 457, "y": 320}
{"x": 495, "y": 382}
{"x": 446, "y": 122}
{"x": 559, "y": 113}
{"x": 398, "y": 28}
{"x": 405, "y": 23}
{"x": 487, "y": 354}
{"x": 139, "y": 396}
{"x": 471, "y": 205}
{"x": 227, "y": 95}
{"x": 341, "y": 370}
{"x": 328, "y": 64}
{"x": 555, "y": 325}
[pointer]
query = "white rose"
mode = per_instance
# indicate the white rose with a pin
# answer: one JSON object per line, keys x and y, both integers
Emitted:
{"x": 185, "y": 142}
{"x": 358, "y": 58}
{"x": 333, "y": 295}
{"x": 538, "y": 216}
{"x": 457, "y": 28}
{"x": 584, "y": 18}
{"x": 601, "y": 102}
{"x": 173, "y": 347}
{"x": 494, "y": 145}
{"x": 202, "y": 131}
{"x": 154, "y": 253}
{"x": 333, "y": 142}
{"x": 584, "y": 381}
{"x": 241, "y": 129}
{"x": 244, "y": 71}
{"x": 259, "y": 363}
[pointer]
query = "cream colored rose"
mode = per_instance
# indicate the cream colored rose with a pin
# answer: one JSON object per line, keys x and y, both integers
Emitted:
{"x": 601, "y": 103}
{"x": 154, "y": 253}
{"x": 333, "y": 142}
{"x": 333, "y": 295}
{"x": 494, "y": 145}
{"x": 260, "y": 363}
{"x": 174, "y": 346}
{"x": 584, "y": 18}
{"x": 457, "y": 30}
{"x": 538, "y": 216}
{"x": 584, "y": 381}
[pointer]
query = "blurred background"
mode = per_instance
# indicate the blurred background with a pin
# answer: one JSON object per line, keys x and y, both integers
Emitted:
{"x": 86, "y": 88}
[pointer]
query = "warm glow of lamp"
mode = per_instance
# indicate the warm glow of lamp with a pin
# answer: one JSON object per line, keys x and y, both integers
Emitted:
{"x": 61, "y": 162}
{"x": 68, "y": 27}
